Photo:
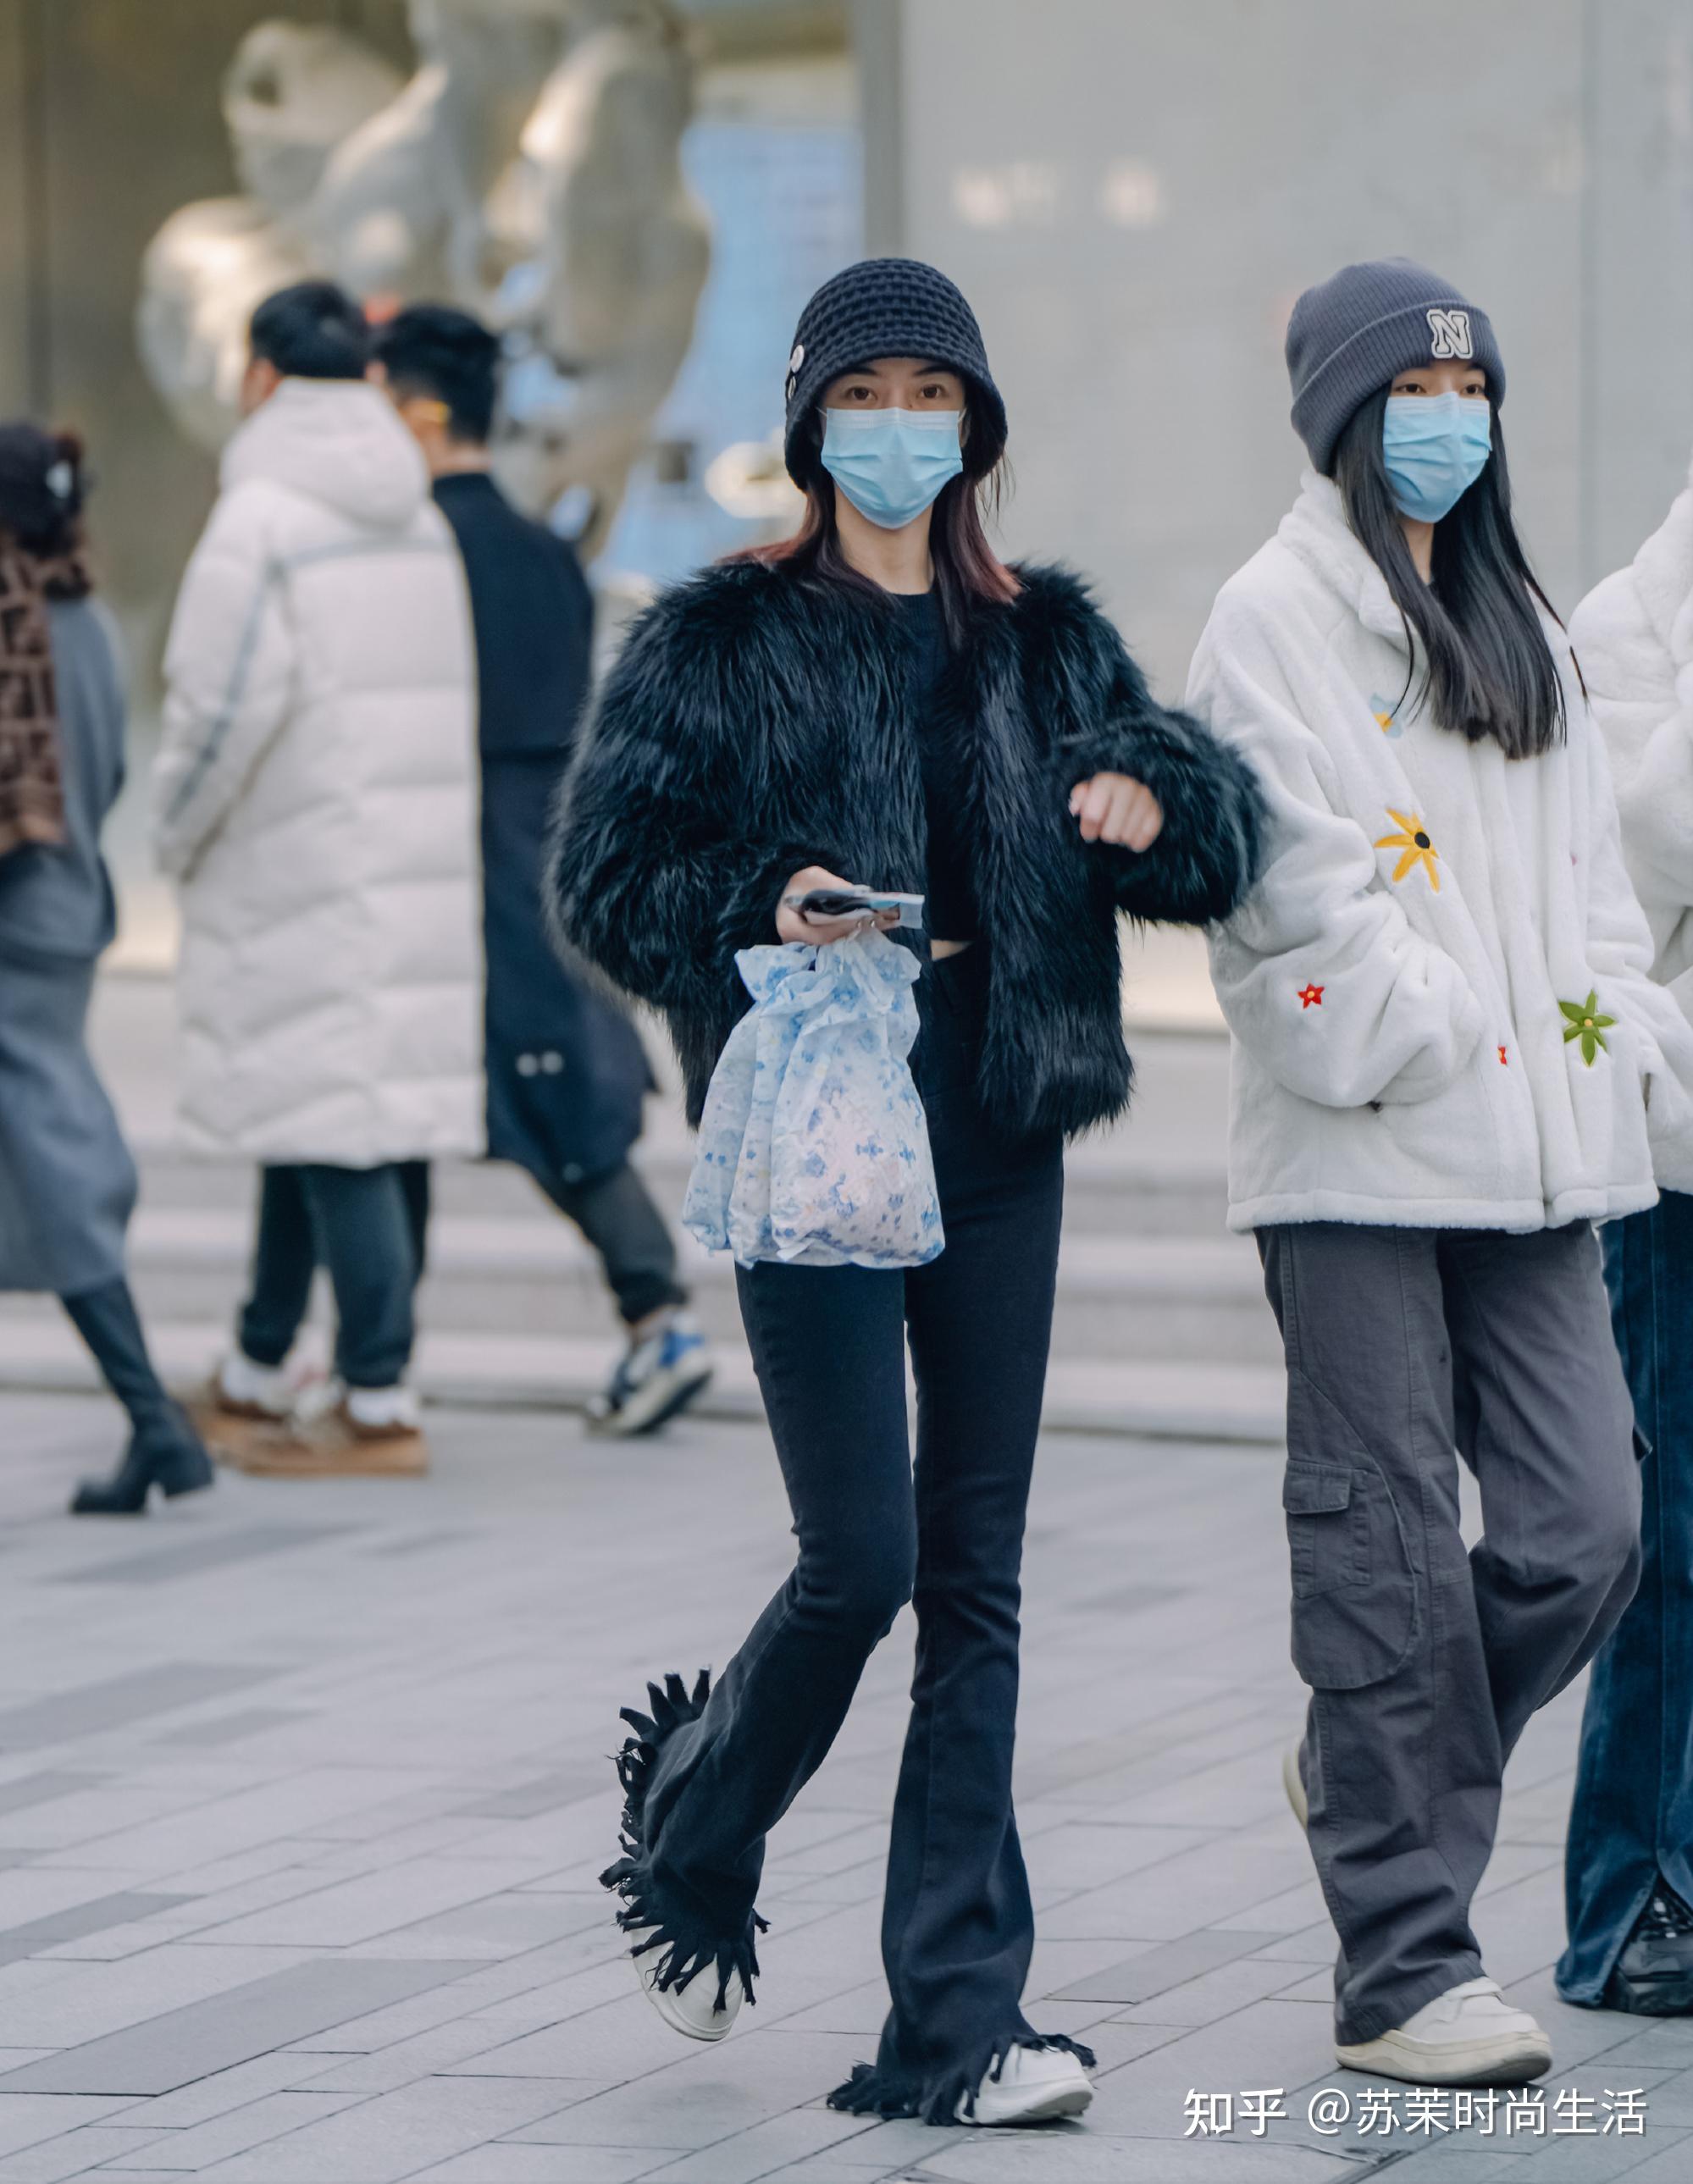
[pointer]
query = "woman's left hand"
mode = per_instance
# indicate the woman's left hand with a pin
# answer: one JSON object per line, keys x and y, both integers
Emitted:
{"x": 1115, "y": 808}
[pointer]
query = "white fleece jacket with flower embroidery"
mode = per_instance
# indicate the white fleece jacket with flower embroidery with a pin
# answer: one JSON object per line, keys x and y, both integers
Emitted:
{"x": 1633, "y": 636}
{"x": 1437, "y": 990}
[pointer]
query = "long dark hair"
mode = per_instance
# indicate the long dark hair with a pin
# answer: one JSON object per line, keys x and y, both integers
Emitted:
{"x": 1489, "y": 669}
{"x": 44, "y": 482}
{"x": 966, "y": 567}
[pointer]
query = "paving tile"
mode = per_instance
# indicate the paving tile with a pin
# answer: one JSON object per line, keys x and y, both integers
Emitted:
{"x": 174, "y": 2048}
{"x": 77, "y": 2153}
{"x": 220, "y": 1828}
{"x": 426, "y": 2054}
{"x": 1220, "y": 1992}
{"x": 704, "y": 2098}
{"x": 1668, "y": 2164}
{"x": 778, "y": 2142}
{"x": 235, "y": 1728}
{"x": 393, "y": 2135}
{"x": 619, "y": 2039}
{"x": 254, "y": 2123}
{"x": 507, "y": 2163}
{"x": 1579, "y": 2159}
{"x": 1154, "y": 1970}
{"x": 510, "y": 1924}
{"x": 1033, "y": 2156}
{"x": 375, "y": 1903}
{"x": 1211, "y": 1884}
{"x": 837, "y": 2169}
{"x": 41, "y": 1789}
{"x": 116, "y": 1701}
{"x": 59, "y": 2003}
{"x": 30, "y": 2119}
{"x": 1077, "y": 1855}
{"x": 281, "y": 2070}
{"x": 77, "y": 1920}
{"x": 546, "y": 1793}
{"x": 1268, "y": 2043}
{"x": 194, "y": 1557}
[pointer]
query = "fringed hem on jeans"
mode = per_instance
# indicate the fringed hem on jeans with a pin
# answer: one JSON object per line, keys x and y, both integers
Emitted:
{"x": 688, "y": 1947}
{"x": 936, "y": 2098}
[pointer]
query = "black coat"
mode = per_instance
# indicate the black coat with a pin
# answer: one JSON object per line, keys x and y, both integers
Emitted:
{"x": 757, "y": 721}
{"x": 566, "y": 1071}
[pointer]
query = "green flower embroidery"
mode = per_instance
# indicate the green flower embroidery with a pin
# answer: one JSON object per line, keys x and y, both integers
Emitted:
{"x": 1582, "y": 1021}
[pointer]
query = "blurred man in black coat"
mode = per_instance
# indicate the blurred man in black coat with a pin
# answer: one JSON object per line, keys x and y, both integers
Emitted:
{"x": 566, "y": 1071}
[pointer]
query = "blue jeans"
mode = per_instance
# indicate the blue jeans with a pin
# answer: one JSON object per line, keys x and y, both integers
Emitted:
{"x": 1632, "y": 1815}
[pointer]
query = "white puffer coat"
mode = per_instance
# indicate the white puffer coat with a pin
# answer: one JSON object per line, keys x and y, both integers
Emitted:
{"x": 1437, "y": 990}
{"x": 1633, "y": 636}
{"x": 316, "y": 798}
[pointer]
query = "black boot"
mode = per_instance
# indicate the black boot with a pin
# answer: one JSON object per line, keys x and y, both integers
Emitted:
{"x": 170, "y": 1456}
{"x": 165, "y": 1450}
{"x": 1654, "y": 1975}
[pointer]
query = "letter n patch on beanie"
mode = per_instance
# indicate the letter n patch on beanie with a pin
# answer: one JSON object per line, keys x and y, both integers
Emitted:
{"x": 1451, "y": 334}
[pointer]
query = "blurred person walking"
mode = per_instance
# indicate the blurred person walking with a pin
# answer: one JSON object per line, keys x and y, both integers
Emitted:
{"x": 880, "y": 697}
{"x": 1449, "y": 1063}
{"x": 1629, "y": 1859}
{"x": 315, "y": 799}
{"x": 567, "y": 1075}
{"x": 66, "y": 1181}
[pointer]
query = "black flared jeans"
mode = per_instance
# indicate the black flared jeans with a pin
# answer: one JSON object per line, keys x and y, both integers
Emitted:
{"x": 829, "y": 1346}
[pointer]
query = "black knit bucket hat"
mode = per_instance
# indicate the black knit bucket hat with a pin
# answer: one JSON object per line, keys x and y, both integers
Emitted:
{"x": 886, "y": 306}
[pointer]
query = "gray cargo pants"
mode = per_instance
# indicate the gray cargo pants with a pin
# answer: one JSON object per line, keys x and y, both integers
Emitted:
{"x": 1406, "y": 1348}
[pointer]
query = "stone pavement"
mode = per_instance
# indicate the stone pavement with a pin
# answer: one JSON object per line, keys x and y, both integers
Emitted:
{"x": 304, "y": 1787}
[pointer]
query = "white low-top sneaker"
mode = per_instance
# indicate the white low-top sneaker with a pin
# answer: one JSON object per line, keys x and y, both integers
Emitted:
{"x": 1469, "y": 2036}
{"x": 692, "y": 2009}
{"x": 1033, "y": 2085}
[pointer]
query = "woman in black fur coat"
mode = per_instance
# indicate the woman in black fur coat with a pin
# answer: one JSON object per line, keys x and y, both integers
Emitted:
{"x": 881, "y": 701}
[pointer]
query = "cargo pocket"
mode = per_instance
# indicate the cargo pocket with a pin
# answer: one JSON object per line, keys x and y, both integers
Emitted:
{"x": 1328, "y": 1537}
{"x": 1355, "y": 1599}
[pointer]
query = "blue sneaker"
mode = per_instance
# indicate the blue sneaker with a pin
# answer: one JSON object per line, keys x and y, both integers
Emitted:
{"x": 656, "y": 1380}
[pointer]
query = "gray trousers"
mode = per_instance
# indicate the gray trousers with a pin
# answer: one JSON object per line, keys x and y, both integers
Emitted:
{"x": 1406, "y": 1349}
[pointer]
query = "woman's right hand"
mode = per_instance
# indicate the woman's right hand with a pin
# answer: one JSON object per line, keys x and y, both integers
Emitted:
{"x": 791, "y": 926}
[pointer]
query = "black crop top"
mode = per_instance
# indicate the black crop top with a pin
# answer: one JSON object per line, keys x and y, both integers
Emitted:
{"x": 950, "y": 914}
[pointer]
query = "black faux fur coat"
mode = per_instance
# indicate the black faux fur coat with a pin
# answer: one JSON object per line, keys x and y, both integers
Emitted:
{"x": 757, "y": 721}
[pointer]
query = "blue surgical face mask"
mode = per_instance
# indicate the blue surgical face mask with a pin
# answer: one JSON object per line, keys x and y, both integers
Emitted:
{"x": 891, "y": 464}
{"x": 1435, "y": 447}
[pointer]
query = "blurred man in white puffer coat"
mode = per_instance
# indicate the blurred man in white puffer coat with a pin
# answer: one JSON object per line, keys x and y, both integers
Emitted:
{"x": 315, "y": 801}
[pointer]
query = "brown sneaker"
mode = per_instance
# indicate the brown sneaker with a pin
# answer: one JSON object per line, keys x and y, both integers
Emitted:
{"x": 335, "y": 1446}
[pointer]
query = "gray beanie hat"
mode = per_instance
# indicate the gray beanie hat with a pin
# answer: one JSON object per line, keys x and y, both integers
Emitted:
{"x": 1355, "y": 333}
{"x": 886, "y": 306}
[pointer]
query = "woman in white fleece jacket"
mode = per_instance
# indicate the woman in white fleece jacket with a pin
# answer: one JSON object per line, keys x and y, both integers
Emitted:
{"x": 1449, "y": 1062}
{"x": 1628, "y": 1863}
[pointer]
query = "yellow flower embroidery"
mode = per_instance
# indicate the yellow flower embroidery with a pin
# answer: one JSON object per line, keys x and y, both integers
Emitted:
{"x": 1413, "y": 839}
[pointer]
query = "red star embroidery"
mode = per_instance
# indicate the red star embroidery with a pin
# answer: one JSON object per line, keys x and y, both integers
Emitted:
{"x": 1504, "y": 1060}
{"x": 1311, "y": 996}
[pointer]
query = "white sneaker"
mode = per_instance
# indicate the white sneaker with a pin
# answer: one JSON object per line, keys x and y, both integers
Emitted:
{"x": 656, "y": 1380}
{"x": 1032, "y": 2085}
{"x": 1293, "y": 1784}
{"x": 1469, "y": 2036}
{"x": 247, "y": 1387}
{"x": 692, "y": 2009}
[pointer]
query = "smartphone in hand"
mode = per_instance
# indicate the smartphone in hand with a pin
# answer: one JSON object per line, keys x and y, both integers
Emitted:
{"x": 828, "y": 905}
